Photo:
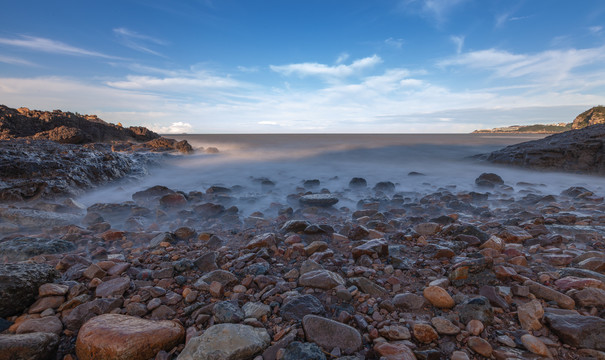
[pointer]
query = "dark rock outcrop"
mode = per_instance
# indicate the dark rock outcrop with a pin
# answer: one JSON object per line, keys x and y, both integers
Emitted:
{"x": 580, "y": 151}
{"x": 19, "y": 285}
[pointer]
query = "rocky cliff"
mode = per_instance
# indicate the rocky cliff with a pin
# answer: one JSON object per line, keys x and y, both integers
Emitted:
{"x": 581, "y": 150}
{"x": 593, "y": 116}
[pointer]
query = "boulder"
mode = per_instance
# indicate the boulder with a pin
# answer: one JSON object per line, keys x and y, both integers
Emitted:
{"x": 19, "y": 285}
{"x": 33, "y": 346}
{"x": 330, "y": 334}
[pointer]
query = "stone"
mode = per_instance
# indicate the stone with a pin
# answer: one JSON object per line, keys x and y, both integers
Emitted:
{"x": 122, "y": 337}
{"x": 535, "y": 345}
{"x": 303, "y": 351}
{"x": 488, "y": 180}
{"x": 546, "y": 293}
{"x": 256, "y": 310}
{"x": 82, "y": 313}
{"x": 228, "y": 342}
{"x": 572, "y": 282}
{"x": 262, "y": 241}
{"x": 19, "y": 285}
{"x": 295, "y": 308}
{"x": 48, "y": 302}
{"x": 32, "y": 346}
{"x": 444, "y": 326}
{"x": 358, "y": 183}
{"x": 480, "y": 346}
{"x": 394, "y": 351}
{"x": 395, "y": 332}
{"x": 207, "y": 261}
{"x": 530, "y": 314}
{"x": 52, "y": 289}
{"x": 427, "y": 228}
{"x": 227, "y": 312}
{"x": 477, "y": 308}
{"x": 577, "y": 330}
{"x": 322, "y": 200}
{"x": 438, "y": 297}
{"x": 23, "y": 248}
{"x": 330, "y": 334}
{"x": 475, "y": 327}
{"x": 369, "y": 287}
{"x": 424, "y": 333}
{"x": 590, "y": 297}
{"x": 222, "y": 276}
{"x": 514, "y": 234}
{"x": 322, "y": 279}
{"x": 376, "y": 246}
{"x": 459, "y": 355}
{"x": 48, "y": 324}
{"x": 113, "y": 288}
{"x": 409, "y": 301}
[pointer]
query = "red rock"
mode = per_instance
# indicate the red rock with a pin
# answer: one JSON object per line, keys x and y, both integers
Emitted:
{"x": 48, "y": 302}
{"x": 394, "y": 351}
{"x": 122, "y": 337}
{"x": 480, "y": 346}
{"x": 424, "y": 333}
{"x": 572, "y": 282}
{"x": 535, "y": 345}
{"x": 48, "y": 324}
{"x": 530, "y": 314}
{"x": 175, "y": 200}
{"x": 52, "y": 289}
{"x": 438, "y": 297}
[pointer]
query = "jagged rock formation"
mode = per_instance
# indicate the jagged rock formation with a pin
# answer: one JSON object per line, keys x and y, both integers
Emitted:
{"x": 593, "y": 116}
{"x": 65, "y": 127}
{"x": 580, "y": 150}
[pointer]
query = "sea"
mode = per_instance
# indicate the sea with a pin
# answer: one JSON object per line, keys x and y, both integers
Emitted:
{"x": 415, "y": 163}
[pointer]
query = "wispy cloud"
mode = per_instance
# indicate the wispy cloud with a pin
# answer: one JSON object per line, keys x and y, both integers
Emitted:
{"x": 137, "y": 41}
{"x": 459, "y": 42}
{"x": 342, "y": 58}
{"x": 323, "y": 70}
{"x": 51, "y": 46}
{"x": 178, "y": 127}
{"x": 394, "y": 43}
{"x": 436, "y": 10}
{"x": 596, "y": 29}
{"x": 15, "y": 61}
{"x": 177, "y": 84}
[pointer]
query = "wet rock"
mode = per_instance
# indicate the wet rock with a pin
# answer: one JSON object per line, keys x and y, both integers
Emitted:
{"x": 227, "y": 312}
{"x": 19, "y": 285}
{"x": 427, "y": 228}
{"x": 33, "y": 346}
{"x": 322, "y": 200}
{"x": 295, "y": 225}
{"x": 297, "y": 307}
{"x": 226, "y": 341}
{"x": 358, "y": 183}
{"x": 113, "y": 336}
{"x": 384, "y": 186}
{"x": 303, "y": 351}
{"x": 23, "y": 248}
{"x": 489, "y": 180}
{"x": 477, "y": 308}
{"x": 322, "y": 279}
{"x": 37, "y": 219}
{"x": 330, "y": 334}
{"x": 438, "y": 297}
{"x": 577, "y": 330}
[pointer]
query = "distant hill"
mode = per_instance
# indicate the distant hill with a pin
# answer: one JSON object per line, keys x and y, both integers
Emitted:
{"x": 535, "y": 129}
{"x": 593, "y": 116}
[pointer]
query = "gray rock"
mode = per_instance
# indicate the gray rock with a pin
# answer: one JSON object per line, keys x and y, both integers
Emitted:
{"x": 222, "y": 276}
{"x": 477, "y": 308}
{"x": 226, "y": 342}
{"x": 207, "y": 261}
{"x": 37, "y": 219}
{"x": 19, "y": 285}
{"x": 409, "y": 301}
{"x": 322, "y": 279}
{"x": 295, "y": 225}
{"x": 369, "y": 287}
{"x": 577, "y": 330}
{"x": 303, "y": 351}
{"x": 113, "y": 288}
{"x": 48, "y": 324}
{"x": 330, "y": 334}
{"x": 227, "y": 312}
{"x": 256, "y": 310}
{"x": 33, "y": 346}
{"x": 297, "y": 307}
{"x": 322, "y": 200}
{"x": 23, "y": 248}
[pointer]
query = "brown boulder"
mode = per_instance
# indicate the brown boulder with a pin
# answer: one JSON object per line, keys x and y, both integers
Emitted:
{"x": 121, "y": 337}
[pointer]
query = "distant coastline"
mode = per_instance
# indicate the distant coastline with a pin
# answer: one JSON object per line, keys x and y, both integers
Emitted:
{"x": 528, "y": 129}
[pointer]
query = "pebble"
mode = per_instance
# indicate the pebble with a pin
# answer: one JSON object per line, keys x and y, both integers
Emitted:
{"x": 438, "y": 297}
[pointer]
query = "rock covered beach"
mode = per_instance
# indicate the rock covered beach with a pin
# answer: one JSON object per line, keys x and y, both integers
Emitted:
{"x": 507, "y": 270}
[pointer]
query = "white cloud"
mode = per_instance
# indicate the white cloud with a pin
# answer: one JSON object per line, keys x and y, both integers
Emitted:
{"x": 459, "y": 42}
{"x": 178, "y": 84}
{"x": 248, "y": 69}
{"x": 437, "y": 10}
{"x": 137, "y": 41}
{"x": 51, "y": 46}
{"x": 322, "y": 70}
{"x": 342, "y": 58}
{"x": 395, "y": 43}
{"x": 272, "y": 123}
{"x": 15, "y": 61}
{"x": 178, "y": 127}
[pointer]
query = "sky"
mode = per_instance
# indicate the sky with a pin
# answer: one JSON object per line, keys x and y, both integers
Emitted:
{"x": 312, "y": 66}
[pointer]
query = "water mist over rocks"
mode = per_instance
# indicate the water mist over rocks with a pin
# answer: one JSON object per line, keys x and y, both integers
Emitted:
{"x": 298, "y": 246}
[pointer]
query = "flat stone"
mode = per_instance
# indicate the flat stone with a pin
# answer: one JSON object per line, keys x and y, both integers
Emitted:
{"x": 123, "y": 337}
{"x": 438, "y": 297}
{"x": 535, "y": 345}
{"x": 394, "y": 351}
{"x": 444, "y": 326}
{"x": 48, "y": 324}
{"x": 227, "y": 312}
{"x": 113, "y": 288}
{"x": 222, "y": 276}
{"x": 369, "y": 287}
{"x": 530, "y": 314}
{"x": 573, "y": 282}
{"x": 256, "y": 310}
{"x": 480, "y": 346}
{"x": 52, "y": 289}
{"x": 226, "y": 342}
{"x": 409, "y": 301}
{"x": 424, "y": 333}
{"x": 590, "y": 297}
{"x": 330, "y": 334}
{"x": 577, "y": 330}
{"x": 322, "y": 279}
{"x": 297, "y": 307}
{"x": 32, "y": 346}
{"x": 48, "y": 302}
{"x": 322, "y": 200}
{"x": 544, "y": 292}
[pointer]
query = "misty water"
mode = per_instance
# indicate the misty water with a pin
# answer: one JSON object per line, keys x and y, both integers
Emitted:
{"x": 288, "y": 160}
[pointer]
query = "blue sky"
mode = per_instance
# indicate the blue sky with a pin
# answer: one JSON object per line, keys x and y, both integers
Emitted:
{"x": 284, "y": 66}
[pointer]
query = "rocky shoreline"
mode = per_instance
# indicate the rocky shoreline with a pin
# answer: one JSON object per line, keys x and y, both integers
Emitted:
{"x": 505, "y": 271}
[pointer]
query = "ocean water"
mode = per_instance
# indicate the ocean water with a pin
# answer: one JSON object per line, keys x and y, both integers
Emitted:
{"x": 288, "y": 160}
